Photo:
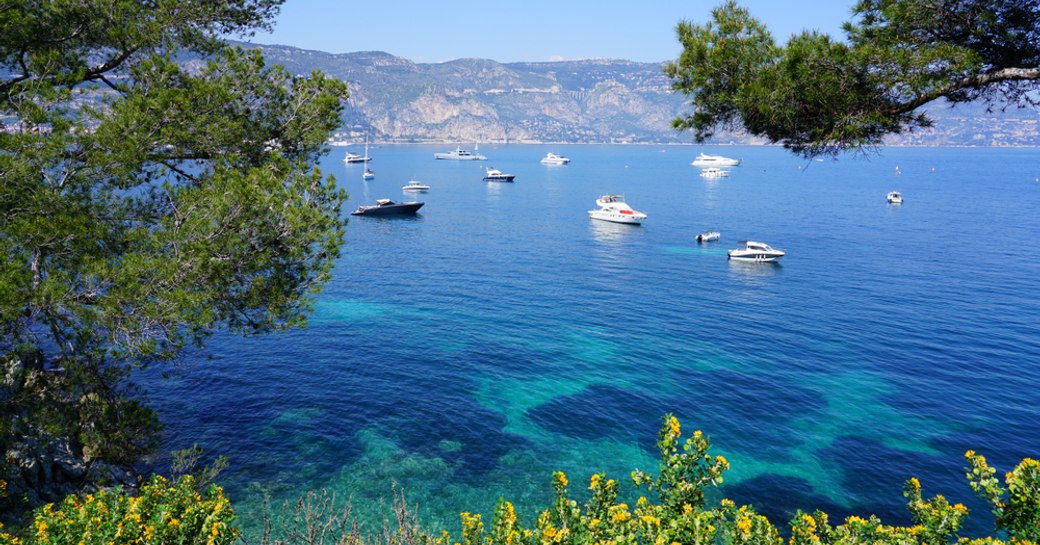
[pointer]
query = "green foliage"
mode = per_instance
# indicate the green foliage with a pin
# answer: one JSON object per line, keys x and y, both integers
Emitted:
{"x": 682, "y": 517}
{"x": 678, "y": 517}
{"x": 163, "y": 513}
{"x": 817, "y": 96}
{"x": 147, "y": 204}
{"x": 1017, "y": 508}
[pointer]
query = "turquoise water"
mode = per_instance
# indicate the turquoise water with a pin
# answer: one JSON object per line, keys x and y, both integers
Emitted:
{"x": 501, "y": 335}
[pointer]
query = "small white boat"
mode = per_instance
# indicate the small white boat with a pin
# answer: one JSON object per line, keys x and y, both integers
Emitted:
{"x": 758, "y": 252}
{"x": 553, "y": 159}
{"x": 415, "y": 186}
{"x": 704, "y": 160}
{"x": 495, "y": 175}
{"x": 894, "y": 197}
{"x": 368, "y": 174}
{"x": 708, "y": 236}
{"x": 614, "y": 208}
{"x": 714, "y": 172}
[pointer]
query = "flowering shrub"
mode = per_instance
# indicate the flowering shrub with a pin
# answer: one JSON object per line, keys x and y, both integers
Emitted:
{"x": 175, "y": 514}
{"x": 164, "y": 513}
{"x": 679, "y": 516}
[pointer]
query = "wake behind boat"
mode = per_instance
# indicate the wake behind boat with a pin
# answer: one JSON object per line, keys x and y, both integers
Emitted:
{"x": 704, "y": 160}
{"x": 387, "y": 207}
{"x": 614, "y": 208}
{"x": 758, "y": 252}
{"x": 460, "y": 154}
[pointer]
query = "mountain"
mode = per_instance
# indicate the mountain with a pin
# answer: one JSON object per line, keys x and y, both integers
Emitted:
{"x": 480, "y": 100}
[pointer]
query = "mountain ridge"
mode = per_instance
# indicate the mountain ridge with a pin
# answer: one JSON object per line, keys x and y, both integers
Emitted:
{"x": 394, "y": 99}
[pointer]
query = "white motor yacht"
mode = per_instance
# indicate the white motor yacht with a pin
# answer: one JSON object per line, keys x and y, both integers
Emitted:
{"x": 368, "y": 174}
{"x": 714, "y": 172}
{"x": 460, "y": 155}
{"x": 614, "y": 208}
{"x": 553, "y": 159}
{"x": 704, "y": 160}
{"x": 759, "y": 252}
{"x": 894, "y": 197}
{"x": 415, "y": 186}
{"x": 355, "y": 158}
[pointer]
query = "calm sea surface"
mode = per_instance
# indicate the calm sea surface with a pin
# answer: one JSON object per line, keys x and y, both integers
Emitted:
{"x": 501, "y": 335}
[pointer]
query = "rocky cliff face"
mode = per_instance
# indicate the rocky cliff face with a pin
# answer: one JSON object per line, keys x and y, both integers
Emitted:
{"x": 482, "y": 100}
{"x": 479, "y": 100}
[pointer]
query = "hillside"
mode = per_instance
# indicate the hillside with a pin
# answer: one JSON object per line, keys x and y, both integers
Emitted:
{"x": 471, "y": 100}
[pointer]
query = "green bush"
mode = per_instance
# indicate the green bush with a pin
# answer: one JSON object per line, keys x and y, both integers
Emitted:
{"x": 163, "y": 513}
{"x": 175, "y": 514}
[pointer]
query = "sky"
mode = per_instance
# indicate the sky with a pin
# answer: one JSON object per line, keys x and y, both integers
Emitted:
{"x": 525, "y": 30}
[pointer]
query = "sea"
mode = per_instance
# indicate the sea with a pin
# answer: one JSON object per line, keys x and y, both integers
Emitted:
{"x": 465, "y": 354}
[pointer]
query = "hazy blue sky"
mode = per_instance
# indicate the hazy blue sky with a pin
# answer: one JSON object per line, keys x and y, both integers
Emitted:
{"x": 524, "y": 30}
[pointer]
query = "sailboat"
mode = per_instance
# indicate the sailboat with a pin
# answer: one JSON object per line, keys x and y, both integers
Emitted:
{"x": 368, "y": 174}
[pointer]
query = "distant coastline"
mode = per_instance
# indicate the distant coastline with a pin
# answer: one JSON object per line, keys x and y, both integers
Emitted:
{"x": 601, "y": 101}
{"x": 349, "y": 143}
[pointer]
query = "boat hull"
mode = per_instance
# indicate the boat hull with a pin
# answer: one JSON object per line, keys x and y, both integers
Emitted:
{"x": 755, "y": 257}
{"x": 617, "y": 217}
{"x": 505, "y": 178}
{"x": 723, "y": 163}
{"x": 397, "y": 209}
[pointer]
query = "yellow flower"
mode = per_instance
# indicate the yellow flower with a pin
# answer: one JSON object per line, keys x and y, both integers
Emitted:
{"x": 673, "y": 423}
{"x": 175, "y": 523}
{"x": 216, "y": 529}
{"x": 594, "y": 482}
{"x": 510, "y": 514}
{"x": 744, "y": 525}
{"x": 621, "y": 514}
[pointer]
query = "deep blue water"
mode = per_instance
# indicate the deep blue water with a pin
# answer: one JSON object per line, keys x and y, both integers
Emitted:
{"x": 501, "y": 335}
